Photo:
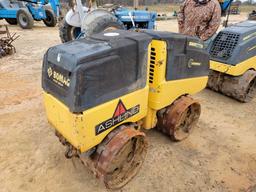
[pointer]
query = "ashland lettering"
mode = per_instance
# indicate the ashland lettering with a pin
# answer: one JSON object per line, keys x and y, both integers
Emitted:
{"x": 116, "y": 120}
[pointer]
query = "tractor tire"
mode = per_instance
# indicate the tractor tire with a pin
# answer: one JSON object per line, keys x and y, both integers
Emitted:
{"x": 25, "y": 19}
{"x": 252, "y": 17}
{"x": 68, "y": 32}
{"x": 51, "y": 19}
{"x": 101, "y": 20}
{"x": 95, "y": 22}
{"x": 11, "y": 21}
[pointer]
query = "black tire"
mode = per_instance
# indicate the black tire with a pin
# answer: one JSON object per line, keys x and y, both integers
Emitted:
{"x": 68, "y": 32}
{"x": 103, "y": 23}
{"x": 252, "y": 17}
{"x": 51, "y": 19}
{"x": 11, "y": 21}
{"x": 95, "y": 22}
{"x": 25, "y": 19}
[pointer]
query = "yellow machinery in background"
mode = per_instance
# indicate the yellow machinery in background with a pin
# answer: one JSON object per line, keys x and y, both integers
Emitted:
{"x": 233, "y": 61}
{"x": 100, "y": 91}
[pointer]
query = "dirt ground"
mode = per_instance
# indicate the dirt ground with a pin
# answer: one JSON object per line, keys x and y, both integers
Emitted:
{"x": 219, "y": 156}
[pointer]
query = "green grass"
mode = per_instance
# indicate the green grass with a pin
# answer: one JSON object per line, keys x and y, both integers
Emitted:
{"x": 175, "y": 7}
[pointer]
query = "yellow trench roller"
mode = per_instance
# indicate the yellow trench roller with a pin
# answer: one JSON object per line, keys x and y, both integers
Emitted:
{"x": 233, "y": 61}
{"x": 120, "y": 82}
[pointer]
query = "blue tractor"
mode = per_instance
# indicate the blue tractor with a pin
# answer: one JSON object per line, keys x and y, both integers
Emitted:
{"x": 138, "y": 19}
{"x": 83, "y": 21}
{"x": 24, "y": 12}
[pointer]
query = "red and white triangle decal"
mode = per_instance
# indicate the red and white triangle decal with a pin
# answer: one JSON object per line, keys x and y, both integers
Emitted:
{"x": 120, "y": 109}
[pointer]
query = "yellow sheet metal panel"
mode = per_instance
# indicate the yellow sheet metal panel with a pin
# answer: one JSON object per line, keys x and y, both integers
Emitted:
{"x": 162, "y": 93}
{"x": 237, "y": 70}
{"x": 150, "y": 120}
{"x": 157, "y": 63}
{"x": 166, "y": 93}
{"x": 89, "y": 128}
{"x": 62, "y": 120}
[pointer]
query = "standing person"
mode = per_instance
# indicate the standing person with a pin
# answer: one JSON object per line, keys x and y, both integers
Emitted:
{"x": 199, "y": 18}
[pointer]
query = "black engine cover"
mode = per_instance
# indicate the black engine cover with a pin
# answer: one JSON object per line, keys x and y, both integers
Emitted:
{"x": 234, "y": 44}
{"x": 88, "y": 72}
{"x": 181, "y": 51}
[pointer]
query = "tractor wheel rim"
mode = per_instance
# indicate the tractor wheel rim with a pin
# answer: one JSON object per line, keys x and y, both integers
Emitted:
{"x": 48, "y": 19}
{"x": 75, "y": 32}
{"x": 23, "y": 19}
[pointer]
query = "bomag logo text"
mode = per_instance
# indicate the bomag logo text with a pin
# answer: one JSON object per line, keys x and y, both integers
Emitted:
{"x": 121, "y": 114}
{"x": 58, "y": 78}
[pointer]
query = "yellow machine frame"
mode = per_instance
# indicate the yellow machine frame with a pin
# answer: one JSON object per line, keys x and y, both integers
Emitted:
{"x": 79, "y": 129}
{"x": 161, "y": 92}
{"x": 237, "y": 70}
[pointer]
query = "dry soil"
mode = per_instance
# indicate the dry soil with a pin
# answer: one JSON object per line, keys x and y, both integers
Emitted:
{"x": 219, "y": 156}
